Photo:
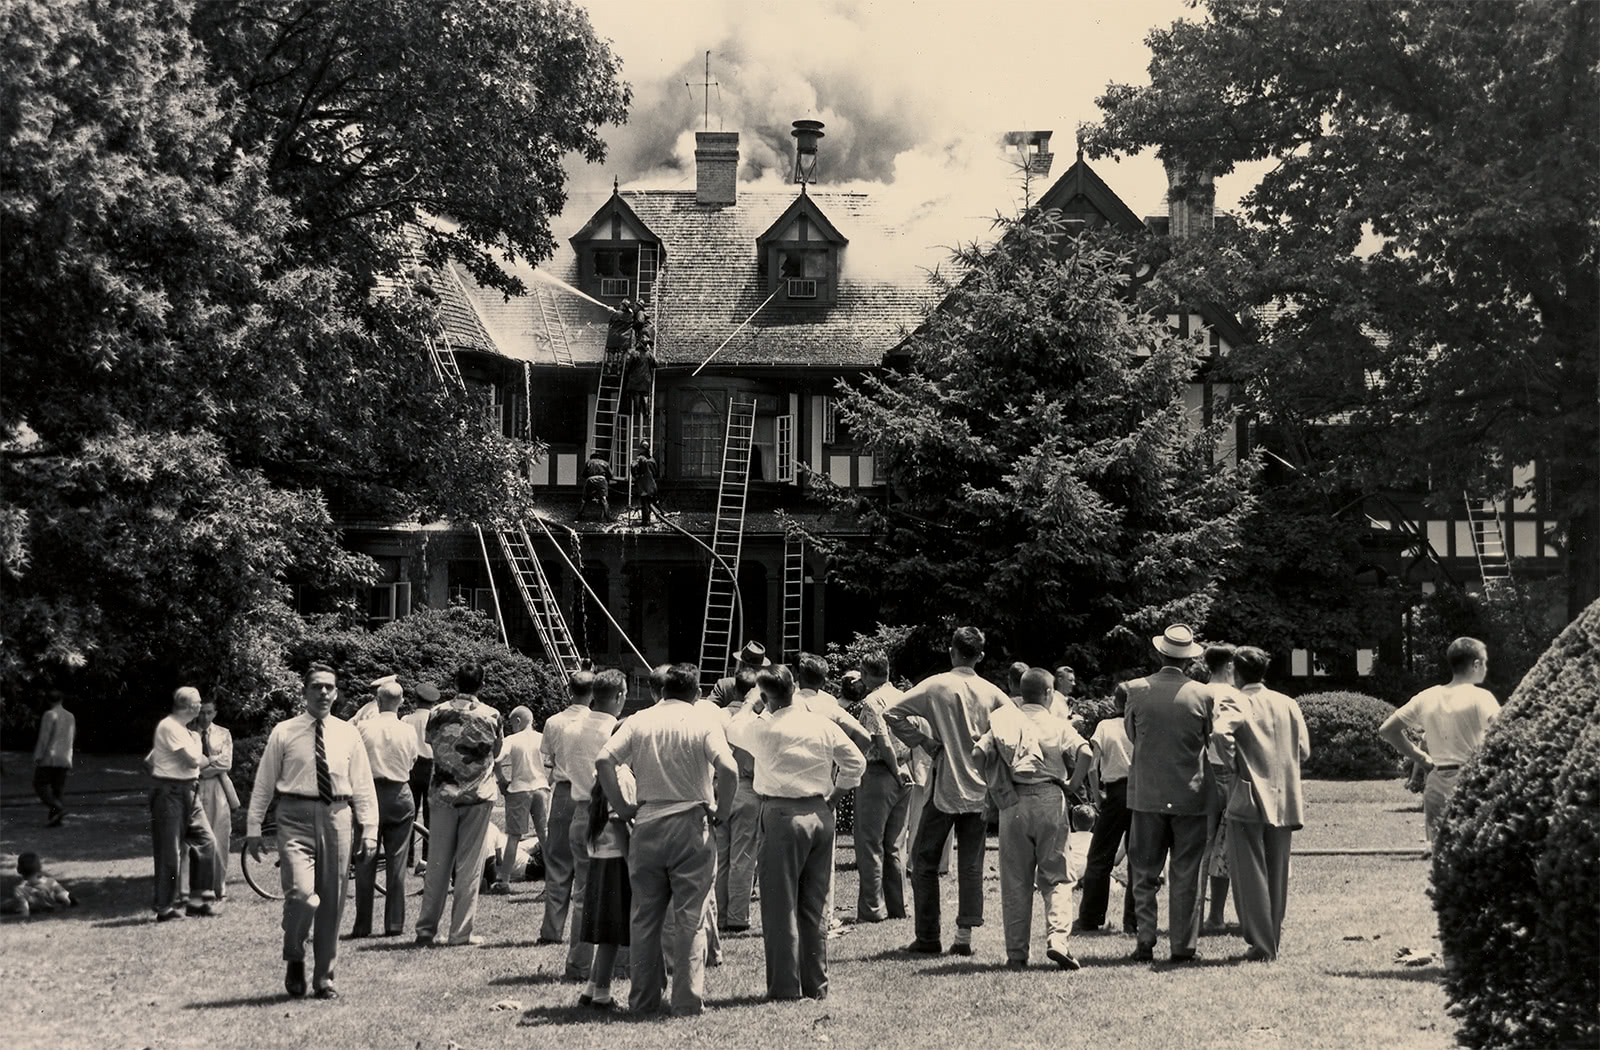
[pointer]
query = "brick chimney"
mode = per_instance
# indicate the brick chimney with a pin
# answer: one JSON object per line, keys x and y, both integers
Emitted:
{"x": 1191, "y": 200}
{"x": 716, "y": 167}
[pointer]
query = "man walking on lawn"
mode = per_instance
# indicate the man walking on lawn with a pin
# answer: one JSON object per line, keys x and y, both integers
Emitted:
{"x": 391, "y": 752}
{"x": 955, "y": 707}
{"x": 1169, "y": 724}
{"x": 1036, "y": 747}
{"x": 802, "y": 762}
{"x": 1261, "y": 737}
{"x": 52, "y": 757}
{"x": 882, "y": 803}
{"x": 465, "y": 736}
{"x": 680, "y": 761}
{"x": 316, "y": 766}
{"x": 559, "y": 729}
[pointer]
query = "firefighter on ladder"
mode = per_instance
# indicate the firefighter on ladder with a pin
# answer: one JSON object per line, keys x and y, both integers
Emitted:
{"x": 645, "y": 473}
{"x": 597, "y": 482}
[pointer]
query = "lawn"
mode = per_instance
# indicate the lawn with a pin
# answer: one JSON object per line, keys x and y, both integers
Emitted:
{"x": 105, "y": 975}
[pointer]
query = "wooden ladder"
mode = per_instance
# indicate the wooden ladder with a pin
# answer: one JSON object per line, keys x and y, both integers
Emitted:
{"x": 539, "y": 599}
{"x": 1488, "y": 539}
{"x": 610, "y": 435}
{"x": 555, "y": 329}
{"x": 727, "y": 538}
{"x": 794, "y": 582}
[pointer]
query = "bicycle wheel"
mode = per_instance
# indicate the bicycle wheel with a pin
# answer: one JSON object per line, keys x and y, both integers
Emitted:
{"x": 263, "y": 875}
{"x": 419, "y": 842}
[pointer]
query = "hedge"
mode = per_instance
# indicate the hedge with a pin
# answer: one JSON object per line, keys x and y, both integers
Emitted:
{"x": 1344, "y": 737}
{"x": 1515, "y": 871}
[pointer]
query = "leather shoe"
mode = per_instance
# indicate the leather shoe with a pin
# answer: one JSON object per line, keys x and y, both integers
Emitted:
{"x": 923, "y": 948}
{"x": 470, "y": 942}
{"x": 1142, "y": 953}
{"x": 1064, "y": 960}
{"x": 168, "y": 915}
{"x": 960, "y": 949}
{"x": 1254, "y": 954}
{"x": 1079, "y": 926}
{"x": 730, "y": 928}
{"x": 203, "y": 910}
{"x": 1184, "y": 957}
{"x": 294, "y": 979}
{"x": 423, "y": 942}
{"x": 356, "y": 935}
{"x": 327, "y": 991}
{"x": 1016, "y": 964}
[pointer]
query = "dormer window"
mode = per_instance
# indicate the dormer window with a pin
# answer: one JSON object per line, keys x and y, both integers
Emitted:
{"x": 800, "y": 254}
{"x": 618, "y": 255}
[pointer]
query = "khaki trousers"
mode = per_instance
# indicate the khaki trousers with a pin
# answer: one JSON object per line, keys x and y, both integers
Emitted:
{"x": 1258, "y": 863}
{"x": 796, "y": 873}
{"x": 558, "y": 864}
{"x": 579, "y": 954}
{"x": 456, "y": 843}
{"x": 314, "y": 863}
{"x": 672, "y": 865}
{"x": 737, "y": 842}
{"x": 1436, "y": 792}
{"x": 214, "y": 804}
{"x": 882, "y": 806}
{"x": 1033, "y": 855}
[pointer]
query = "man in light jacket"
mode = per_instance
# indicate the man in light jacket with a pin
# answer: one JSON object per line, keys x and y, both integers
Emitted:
{"x": 1261, "y": 737}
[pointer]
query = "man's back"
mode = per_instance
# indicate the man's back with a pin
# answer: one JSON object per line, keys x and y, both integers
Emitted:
{"x": 465, "y": 736}
{"x": 956, "y": 705}
{"x": 670, "y": 749}
{"x": 57, "y": 730}
{"x": 1270, "y": 742}
{"x": 520, "y": 763}
{"x": 1169, "y": 722}
{"x": 1452, "y": 720}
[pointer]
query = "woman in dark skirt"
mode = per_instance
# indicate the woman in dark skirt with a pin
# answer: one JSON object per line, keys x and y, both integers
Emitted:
{"x": 608, "y": 899}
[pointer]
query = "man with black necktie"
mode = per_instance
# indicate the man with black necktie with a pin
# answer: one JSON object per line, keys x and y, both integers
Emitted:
{"x": 317, "y": 767}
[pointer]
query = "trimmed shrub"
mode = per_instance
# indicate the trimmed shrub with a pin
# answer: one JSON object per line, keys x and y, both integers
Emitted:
{"x": 1516, "y": 879}
{"x": 1344, "y": 737}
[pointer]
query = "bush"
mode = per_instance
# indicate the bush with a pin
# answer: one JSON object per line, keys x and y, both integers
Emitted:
{"x": 1344, "y": 737}
{"x": 1515, "y": 871}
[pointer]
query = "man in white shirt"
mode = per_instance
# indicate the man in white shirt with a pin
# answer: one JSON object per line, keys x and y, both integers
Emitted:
{"x": 1037, "y": 748}
{"x": 680, "y": 761}
{"x": 811, "y": 675}
{"x": 558, "y": 728}
{"x": 739, "y": 835}
{"x": 316, "y": 766}
{"x": 802, "y": 762}
{"x": 391, "y": 752}
{"x": 946, "y": 714}
{"x": 1452, "y": 720}
{"x": 580, "y": 747}
{"x": 178, "y": 824}
{"x": 520, "y": 770}
{"x": 1113, "y": 753}
{"x": 882, "y": 803}
{"x": 52, "y": 757}
{"x": 217, "y": 797}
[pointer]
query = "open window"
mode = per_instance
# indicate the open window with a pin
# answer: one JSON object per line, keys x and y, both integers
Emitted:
{"x": 800, "y": 254}
{"x": 618, "y": 255}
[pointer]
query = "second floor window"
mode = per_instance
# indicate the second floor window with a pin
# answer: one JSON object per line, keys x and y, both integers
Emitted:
{"x": 702, "y": 440}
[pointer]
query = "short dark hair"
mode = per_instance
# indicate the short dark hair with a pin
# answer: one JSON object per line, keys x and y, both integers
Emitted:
{"x": 968, "y": 642}
{"x": 580, "y": 684}
{"x": 469, "y": 677}
{"x": 1119, "y": 696}
{"x": 744, "y": 679}
{"x": 658, "y": 678}
{"x": 1014, "y": 674}
{"x": 607, "y": 685}
{"x": 1036, "y": 684}
{"x": 1462, "y": 653}
{"x": 811, "y": 671}
{"x": 28, "y": 865}
{"x": 681, "y": 682}
{"x": 777, "y": 680}
{"x": 875, "y": 663}
{"x": 318, "y": 667}
{"x": 1218, "y": 656}
{"x": 1250, "y": 664}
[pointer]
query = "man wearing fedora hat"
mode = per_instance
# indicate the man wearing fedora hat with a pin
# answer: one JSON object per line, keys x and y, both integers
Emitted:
{"x": 1169, "y": 723}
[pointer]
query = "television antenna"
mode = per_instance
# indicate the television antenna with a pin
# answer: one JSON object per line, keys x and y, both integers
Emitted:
{"x": 705, "y": 88}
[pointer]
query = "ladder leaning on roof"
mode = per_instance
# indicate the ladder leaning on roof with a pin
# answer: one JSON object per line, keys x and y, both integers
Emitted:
{"x": 555, "y": 329}
{"x": 1488, "y": 539}
{"x": 716, "y": 641}
{"x": 539, "y": 599}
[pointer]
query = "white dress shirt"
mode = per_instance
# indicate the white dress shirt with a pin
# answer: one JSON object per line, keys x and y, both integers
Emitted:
{"x": 221, "y": 741}
{"x": 672, "y": 750}
{"x": 370, "y": 709}
{"x": 797, "y": 753}
{"x": 418, "y": 720}
{"x": 580, "y": 745}
{"x": 520, "y": 764}
{"x": 177, "y": 754}
{"x": 1113, "y": 748}
{"x": 391, "y": 746}
{"x": 557, "y": 729}
{"x": 289, "y": 767}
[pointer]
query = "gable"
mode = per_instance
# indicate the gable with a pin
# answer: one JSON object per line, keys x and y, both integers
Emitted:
{"x": 816, "y": 223}
{"x": 1080, "y": 193}
{"x": 614, "y": 220}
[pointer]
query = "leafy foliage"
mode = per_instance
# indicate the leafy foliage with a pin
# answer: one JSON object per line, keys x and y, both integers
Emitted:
{"x": 1343, "y": 730}
{"x": 1515, "y": 870}
{"x": 1465, "y": 138}
{"x": 1046, "y": 481}
{"x": 1513, "y": 619}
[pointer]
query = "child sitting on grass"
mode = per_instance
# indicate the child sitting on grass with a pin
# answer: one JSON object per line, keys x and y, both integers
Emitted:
{"x": 37, "y": 892}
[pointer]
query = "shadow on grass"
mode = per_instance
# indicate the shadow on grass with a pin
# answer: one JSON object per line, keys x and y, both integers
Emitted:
{"x": 965, "y": 966}
{"x": 1404, "y": 809}
{"x": 509, "y": 944}
{"x": 1199, "y": 962}
{"x": 541, "y": 1016}
{"x": 242, "y": 1000}
{"x": 404, "y": 943}
{"x": 121, "y": 900}
{"x": 521, "y": 980}
{"x": 1430, "y": 974}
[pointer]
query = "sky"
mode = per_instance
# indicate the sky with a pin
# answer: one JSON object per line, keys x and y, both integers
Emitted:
{"x": 915, "y": 95}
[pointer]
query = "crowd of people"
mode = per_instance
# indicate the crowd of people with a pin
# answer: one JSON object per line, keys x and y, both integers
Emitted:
{"x": 657, "y": 828}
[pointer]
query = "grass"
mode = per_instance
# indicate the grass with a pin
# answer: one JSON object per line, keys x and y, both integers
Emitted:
{"x": 105, "y": 975}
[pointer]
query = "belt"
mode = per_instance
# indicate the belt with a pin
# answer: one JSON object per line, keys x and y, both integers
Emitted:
{"x": 313, "y": 798}
{"x": 1445, "y": 769}
{"x": 392, "y": 783}
{"x": 790, "y": 798}
{"x": 1113, "y": 783}
{"x": 176, "y": 780}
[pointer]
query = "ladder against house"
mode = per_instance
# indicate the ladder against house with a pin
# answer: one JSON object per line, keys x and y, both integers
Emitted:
{"x": 727, "y": 538}
{"x": 539, "y": 599}
{"x": 1488, "y": 538}
{"x": 555, "y": 329}
{"x": 443, "y": 357}
{"x": 610, "y": 435}
{"x": 646, "y": 283}
{"x": 794, "y": 582}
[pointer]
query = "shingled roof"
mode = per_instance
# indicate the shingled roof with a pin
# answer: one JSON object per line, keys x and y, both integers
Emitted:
{"x": 710, "y": 283}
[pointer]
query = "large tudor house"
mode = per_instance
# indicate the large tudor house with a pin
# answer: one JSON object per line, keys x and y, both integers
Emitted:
{"x": 786, "y": 284}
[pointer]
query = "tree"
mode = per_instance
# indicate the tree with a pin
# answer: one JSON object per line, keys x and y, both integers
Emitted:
{"x": 1046, "y": 481}
{"x": 1465, "y": 138}
{"x": 196, "y": 366}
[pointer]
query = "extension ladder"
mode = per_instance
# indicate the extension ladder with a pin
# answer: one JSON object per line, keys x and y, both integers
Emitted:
{"x": 717, "y": 640}
{"x": 1488, "y": 539}
{"x": 606, "y": 440}
{"x": 555, "y": 329}
{"x": 539, "y": 599}
{"x": 794, "y": 581}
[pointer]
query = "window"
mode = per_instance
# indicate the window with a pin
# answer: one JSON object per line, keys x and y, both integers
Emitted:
{"x": 786, "y": 463}
{"x": 804, "y": 270}
{"x": 615, "y": 269}
{"x": 388, "y": 601}
{"x": 614, "y": 286}
{"x": 702, "y": 440}
{"x": 830, "y": 421}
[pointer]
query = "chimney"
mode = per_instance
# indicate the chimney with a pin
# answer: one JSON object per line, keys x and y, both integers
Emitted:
{"x": 1190, "y": 200}
{"x": 716, "y": 167}
{"x": 806, "y": 133}
{"x": 1034, "y": 149}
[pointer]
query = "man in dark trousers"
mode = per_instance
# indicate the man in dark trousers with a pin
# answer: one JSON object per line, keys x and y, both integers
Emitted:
{"x": 1169, "y": 725}
{"x": 639, "y": 377}
{"x": 619, "y": 332}
{"x": 597, "y": 482}
{"x": 645, "y": 473}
